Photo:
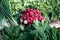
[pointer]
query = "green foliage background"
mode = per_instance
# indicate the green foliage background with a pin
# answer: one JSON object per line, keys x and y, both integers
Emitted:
{"x": 49, "y": 8}
{"x": 10, "y": 10}
{"x": 35, "y": 31}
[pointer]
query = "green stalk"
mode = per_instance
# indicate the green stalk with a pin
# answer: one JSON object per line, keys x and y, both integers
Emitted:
{"x": 6, "y": 12}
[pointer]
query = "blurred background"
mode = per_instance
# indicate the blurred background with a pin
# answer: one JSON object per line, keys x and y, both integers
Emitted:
{"x": 10, "y": 10}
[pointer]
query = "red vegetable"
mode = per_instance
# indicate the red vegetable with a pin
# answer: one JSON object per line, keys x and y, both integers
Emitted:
{"x": 31, "y": 14}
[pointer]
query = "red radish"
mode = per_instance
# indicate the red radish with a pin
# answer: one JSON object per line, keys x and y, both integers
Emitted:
{"x": 31, "y": 14}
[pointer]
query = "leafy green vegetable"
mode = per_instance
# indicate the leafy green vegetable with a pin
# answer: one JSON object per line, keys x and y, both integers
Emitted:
{"x": 5, "y": 11}
{"x": 35, "y": 31}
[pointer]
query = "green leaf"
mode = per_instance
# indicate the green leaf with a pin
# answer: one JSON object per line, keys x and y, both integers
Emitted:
{"x": 8, "y": 31}
{"x": 5, "y": 37}
{"x": 22, "y": 27}
{"x": 5, "y": 10}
